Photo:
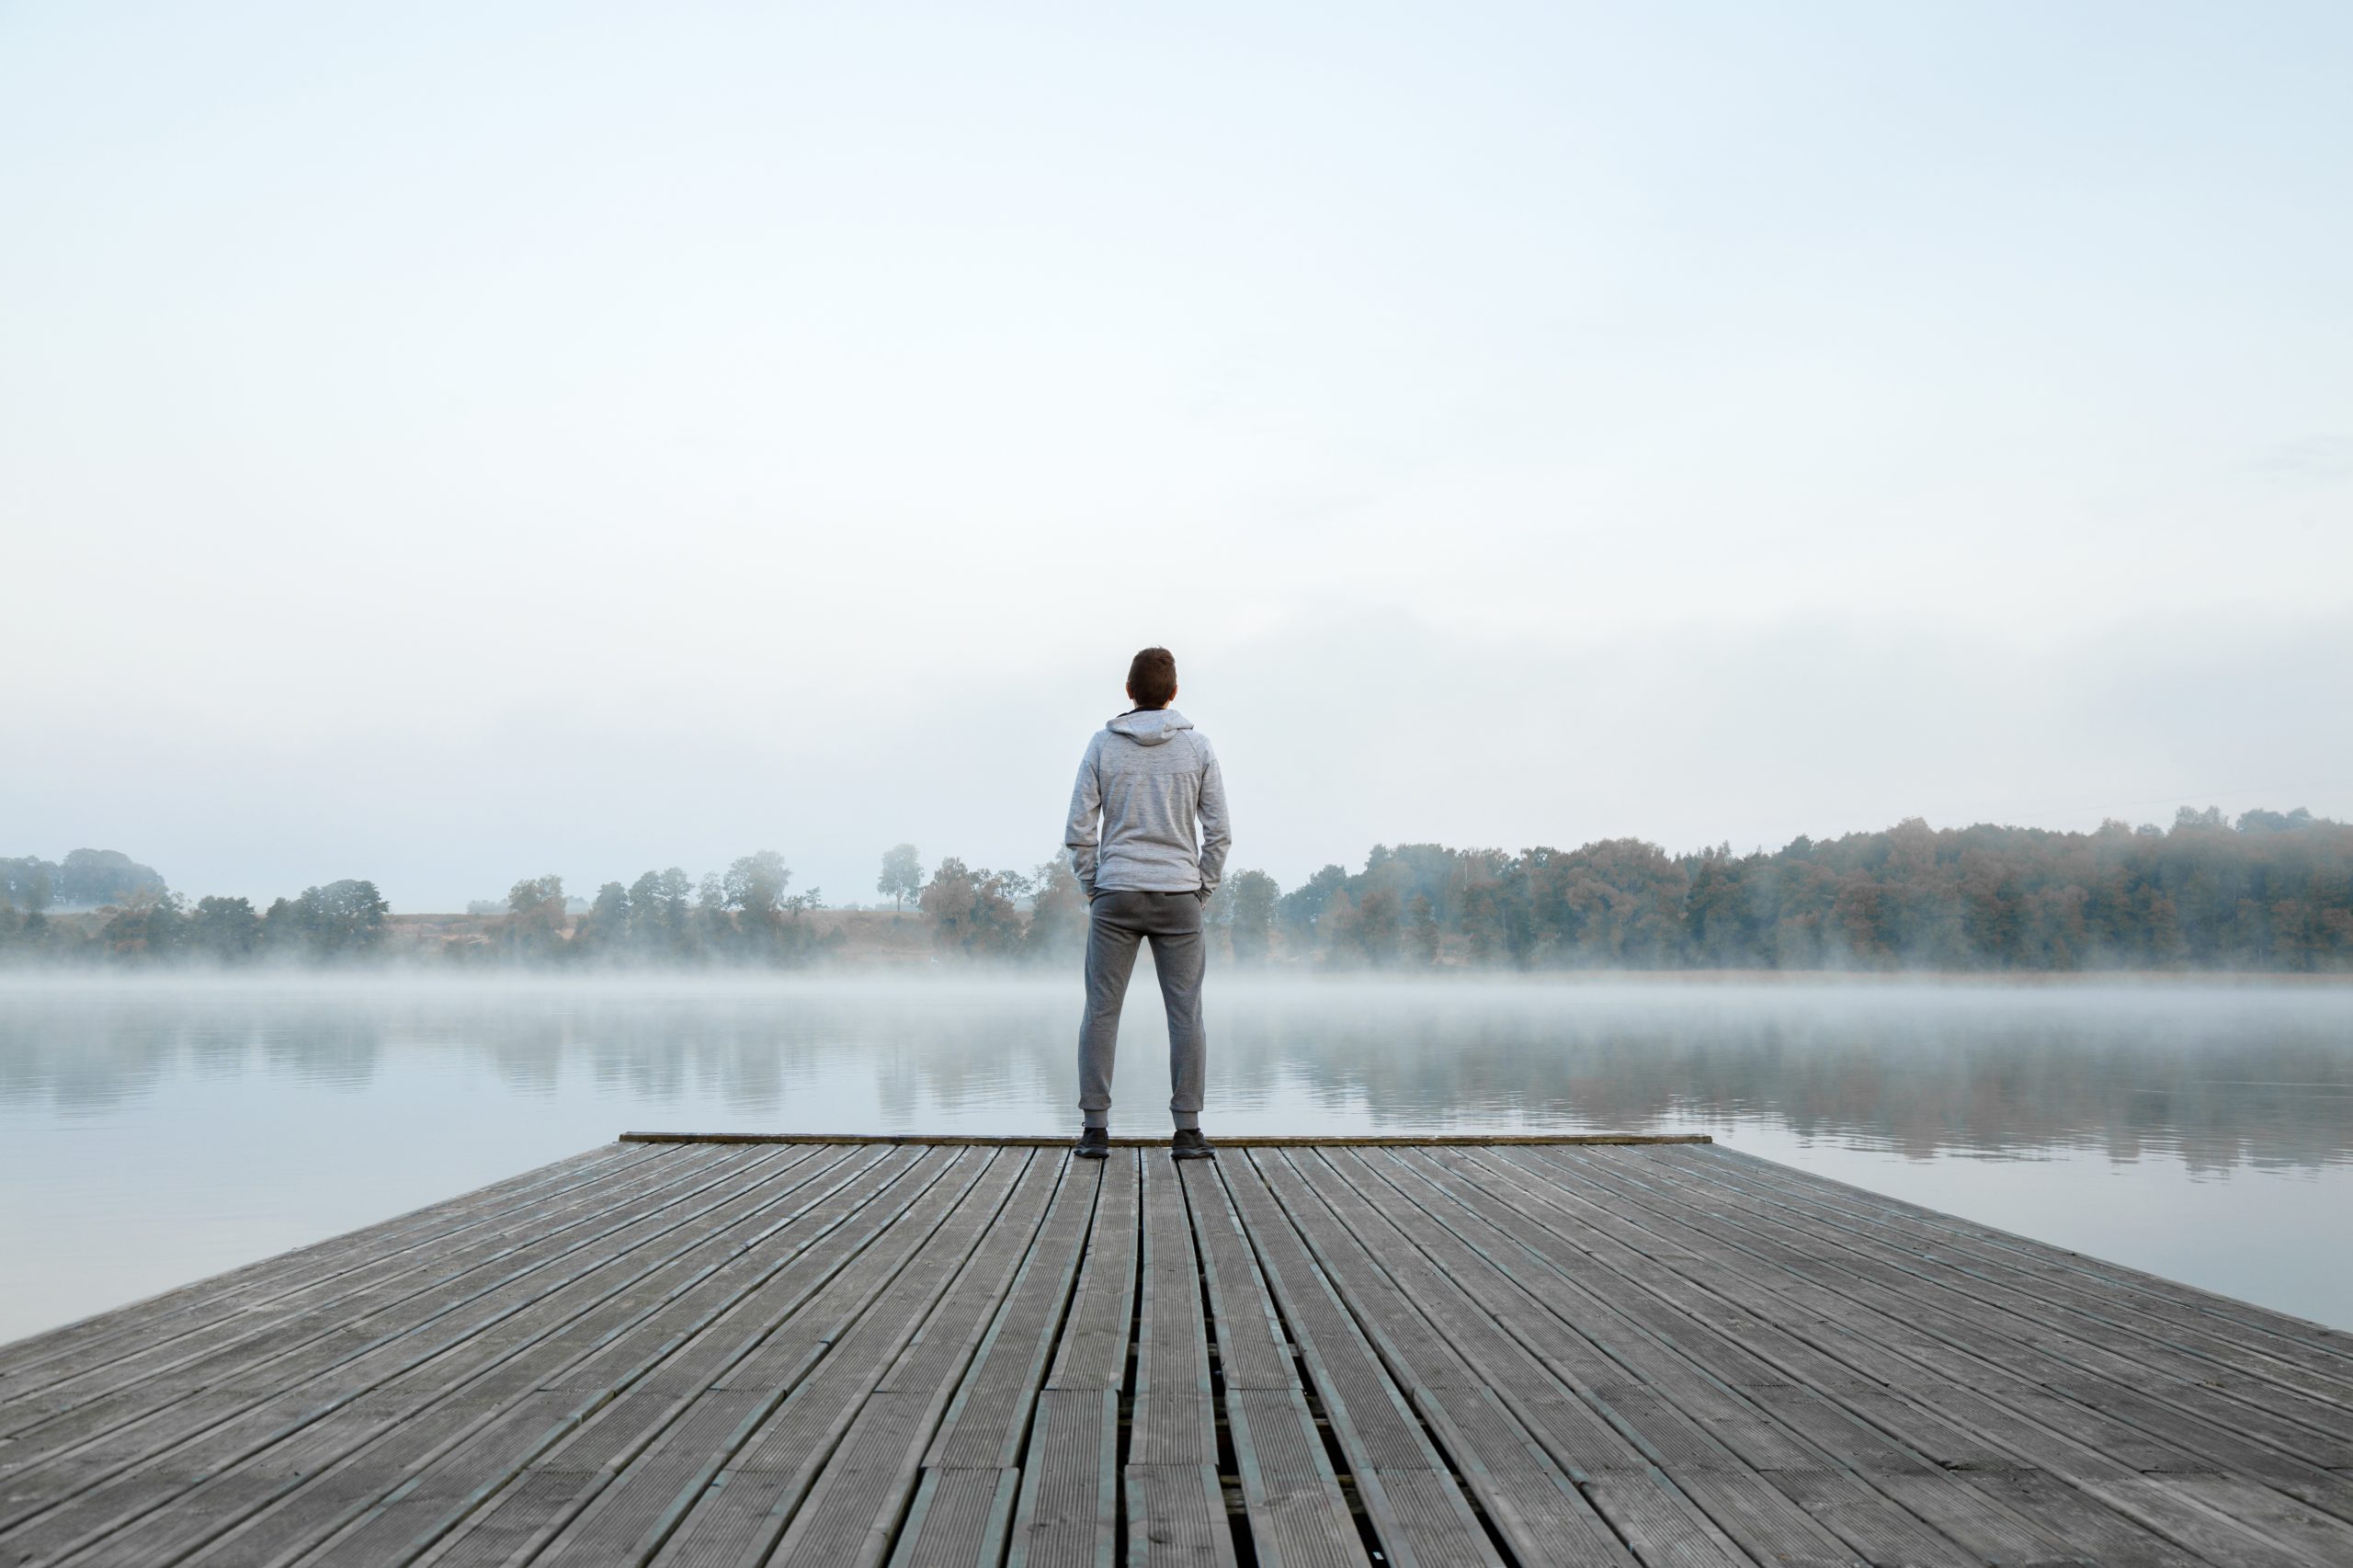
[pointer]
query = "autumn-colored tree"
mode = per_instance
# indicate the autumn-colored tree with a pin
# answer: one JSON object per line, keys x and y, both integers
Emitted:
{"x": 969, "y": 911}
{"x": 1057, "y": 930}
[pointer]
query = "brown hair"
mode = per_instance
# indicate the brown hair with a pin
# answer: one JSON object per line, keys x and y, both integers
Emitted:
{"x": 1151, "y": 677}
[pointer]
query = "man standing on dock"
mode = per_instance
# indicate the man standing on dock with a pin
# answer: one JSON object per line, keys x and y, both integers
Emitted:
{"x": 1148, "y": 789}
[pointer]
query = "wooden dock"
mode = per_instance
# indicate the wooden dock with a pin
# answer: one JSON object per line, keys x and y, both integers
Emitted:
{"x": 926, "y": 1353}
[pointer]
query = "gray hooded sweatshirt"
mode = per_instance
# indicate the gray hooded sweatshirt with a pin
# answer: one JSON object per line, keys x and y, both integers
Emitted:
{"x": 1151, "y": 778}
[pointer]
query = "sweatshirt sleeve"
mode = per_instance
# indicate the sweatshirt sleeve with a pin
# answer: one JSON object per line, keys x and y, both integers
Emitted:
{"x": 1217, "y": 830}
{"x": 1083, "y": 832}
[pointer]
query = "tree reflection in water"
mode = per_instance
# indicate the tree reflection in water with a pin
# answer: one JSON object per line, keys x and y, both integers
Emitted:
{"x": 156, "y": 1131}
{"x": 2216, "y": 1075}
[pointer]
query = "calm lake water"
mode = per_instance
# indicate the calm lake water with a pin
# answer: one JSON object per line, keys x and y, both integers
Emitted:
{"x": 154, "y": 1132}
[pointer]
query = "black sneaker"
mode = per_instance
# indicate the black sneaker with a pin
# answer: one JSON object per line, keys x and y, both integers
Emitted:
{"x": 1188, "y": 1144}
{"x": 1094, "y": 1143}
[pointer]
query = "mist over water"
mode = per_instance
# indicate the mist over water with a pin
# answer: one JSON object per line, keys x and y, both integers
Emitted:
{"x": 152, "y": 1131}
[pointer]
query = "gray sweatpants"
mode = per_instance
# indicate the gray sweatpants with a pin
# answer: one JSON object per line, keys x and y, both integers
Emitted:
{"x": 1116, "y": 923}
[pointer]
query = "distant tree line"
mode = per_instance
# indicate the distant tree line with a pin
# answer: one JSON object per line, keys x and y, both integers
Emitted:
{"x": 980, "y": 913}
{"x": 2270, "y": 892}
{"x": 741, "y": 916}
{"x": 339, "y": 920}
{"x": 87, "y": 879}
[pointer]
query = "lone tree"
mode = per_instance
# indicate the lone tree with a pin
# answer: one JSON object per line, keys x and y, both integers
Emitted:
{"x": 902, "y": 875}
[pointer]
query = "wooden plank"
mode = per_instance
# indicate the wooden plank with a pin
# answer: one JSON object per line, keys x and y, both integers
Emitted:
{"x": 2164, "y": 1373}
{"x": 116, "y": 1426}
{"x": 1643, "y": 1387}
{"x": 1067, "y": 1515}
{"x": 2319, "y": 1346}
{"x": 1875, "y": 1494}
{"x": 1177, "y": 1514}
{"x": 851, "y": 1514}
{"x": 41, "y": 1360}
{"x": 988, "y": 1422}
{"x": 1898, "y": 1381}
{"x": 1518, "y": 1421}
{"x": 2203, "y": 1347}
{"x": 1094, "y": 1350}
{"x": 1538, "y": 1447}
{"x": 1174, "y": 1418}
{"x": 2150, "y": 1394}
{"x": 412, "y": 1497}
{"x": 130, "y": 1469}
{"x": 1176, "y": 1503}
{"x": 1256, "y": 1141}
{"x": 1868, "y": 1426}
{"x": 727, "y": 1471}
{"x": 742, "y": 1503}
{"x": 1067, "y": 1508}
{"x": 963, "y": 1505}
{"x": 1414, "y": 1506}
{"x": 545, "y": 1480}
{"x": 104, "y": 1395}
{"x": 2095, "y": 1452}
{"x": 1298, "y": 1516}
{"x": 235, "y": 1465}
{"x": 960, "y": 1520}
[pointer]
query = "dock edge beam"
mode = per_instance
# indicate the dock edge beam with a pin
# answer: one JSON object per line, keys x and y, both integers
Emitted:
{"x": 1238, "y": 1141}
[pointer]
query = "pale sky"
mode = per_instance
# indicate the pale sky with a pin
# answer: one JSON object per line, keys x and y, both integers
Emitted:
{"x": 449, "y": 443}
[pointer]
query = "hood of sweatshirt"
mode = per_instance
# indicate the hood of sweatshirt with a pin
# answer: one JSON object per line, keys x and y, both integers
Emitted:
{"x": 1150, "y": 728}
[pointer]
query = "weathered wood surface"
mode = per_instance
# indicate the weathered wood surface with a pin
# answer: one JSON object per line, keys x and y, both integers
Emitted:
{"x": 919, "y": 1353}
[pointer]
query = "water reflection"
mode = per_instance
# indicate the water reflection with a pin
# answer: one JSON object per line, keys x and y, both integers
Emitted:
{"x": 2216, "y": 1075}
{"x": 153, "y": 1132}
